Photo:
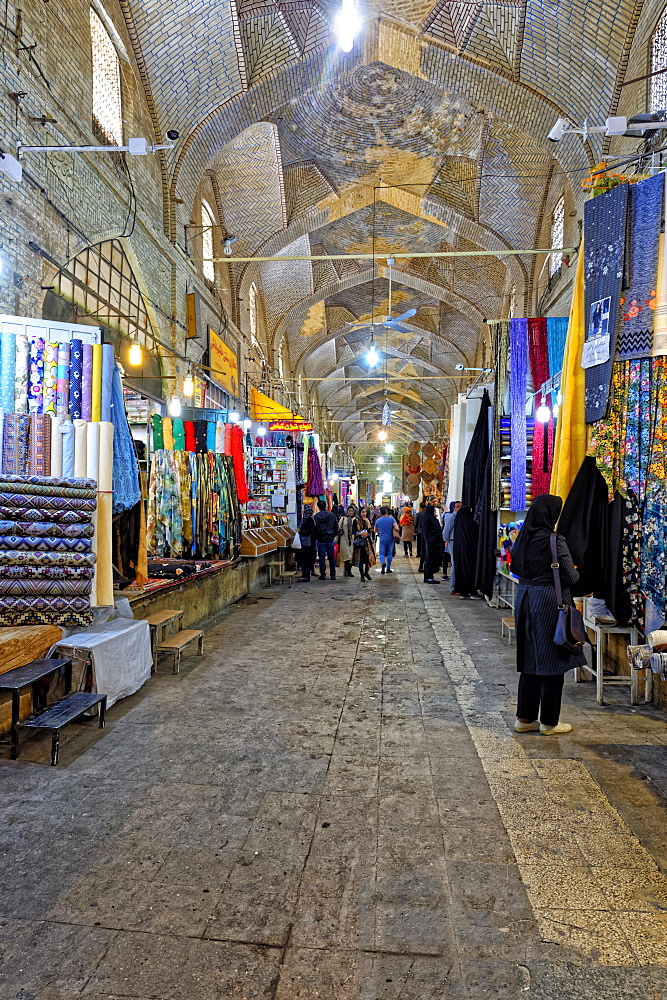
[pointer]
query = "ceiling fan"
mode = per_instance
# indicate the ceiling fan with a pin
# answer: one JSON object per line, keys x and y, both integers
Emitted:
{"x": 392, "y": 322}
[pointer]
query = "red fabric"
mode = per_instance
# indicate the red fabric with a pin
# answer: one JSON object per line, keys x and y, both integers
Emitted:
{"x": 239, "y": 464}
{"x": 538, "y": 352}
{"x": 190, "y": 442}
{"x": 228, "y": 438}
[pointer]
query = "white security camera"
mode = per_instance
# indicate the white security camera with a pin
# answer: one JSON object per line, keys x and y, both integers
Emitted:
{"x": 558, "y": 130}
{"x": 459, "y": 368}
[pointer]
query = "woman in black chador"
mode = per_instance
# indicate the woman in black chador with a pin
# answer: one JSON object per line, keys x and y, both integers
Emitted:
{"x": 466, "y": 537}
{"x": 431, "y": 535}
{"x": 540, "y": 662}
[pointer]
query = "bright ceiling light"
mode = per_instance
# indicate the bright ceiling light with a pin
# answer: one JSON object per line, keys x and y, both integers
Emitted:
{"x": 543, "y": 414}
{"x": 382, "y": 435}
{"x": 261, "y": 431}
{"x": 136, "y": 353}
{"x": 334, "y": 477}
{"x": 233, "y": 417}
{"x": 247, "y": 424}
{"x": 389, "y": 448}
{"x": 189, "y": 385}
{"x": 347, "y": 25}
{"x": 175, "y": 407}
{"x": 380, "y": 460}
{"x": 372, "y": 357}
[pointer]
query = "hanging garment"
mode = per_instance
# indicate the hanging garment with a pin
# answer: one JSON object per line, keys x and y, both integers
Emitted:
{"x": 158, "y": 436}
{"x": 571, "y": 436}
{"x": 637, "y": 313}
{"x": 126, "y": 492}
{"x": 315, "y": 484}
{"x": 474, "y": 465}
{"x": 618, "y": 596}
{"x": 654, "y": 526}
{"x": 604, "y": 255}
{"x": 178, "y": 431}
{"x": 239, "y": 464}
{"x": 486, "y": 563}
{"x": 210, "y": 435}
{"x": 190, "y": 443}
{"x": 518, "y": 391}
{"x": 584, "y": 523}
{"x": 200, "y": 435}
{"x": 556, "y": 336}
{"x": 167, "y": 433}
{"x": 466, "y": 539}
{"x": 501, "y": 353}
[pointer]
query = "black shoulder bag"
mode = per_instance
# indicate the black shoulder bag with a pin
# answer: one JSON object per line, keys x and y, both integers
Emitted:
{"x": 570, "y": 634}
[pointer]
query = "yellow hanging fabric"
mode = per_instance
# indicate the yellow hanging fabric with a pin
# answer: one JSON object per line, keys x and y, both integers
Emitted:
{"x": 571, "y": 434}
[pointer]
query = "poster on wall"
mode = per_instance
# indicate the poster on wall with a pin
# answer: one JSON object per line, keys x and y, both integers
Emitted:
{"x": 224, "y": 363}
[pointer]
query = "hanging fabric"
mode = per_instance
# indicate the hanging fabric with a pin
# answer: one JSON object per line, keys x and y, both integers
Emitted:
{"x": 604, "y": 254}
{"x": 62, "y": 383}
{"x": 126, "y": 492}
{"x": 238, "y": 456}
{"x": 636, "y": 316}
{"x": 315, "y": 483}
{"x": 501, "y": 331}
{"x": 518, "y": 390}
{"x": 556, "y": 337}
{"x": 474, "y": 465}
{"x": 571, "y": 436}
{"x": 538, "y": 350}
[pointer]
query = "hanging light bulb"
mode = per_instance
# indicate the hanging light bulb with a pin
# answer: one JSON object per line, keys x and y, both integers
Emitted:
{"x": 334, "y": 477}
{"x": 347, "y": 25}
{"x": 556, "y": 409}
{"x": 189, "y": 385}
{"x": 247, "y": 424}
{"x": 136, "y": 353}
{"x": 372, "y": 357}
{"x": 380, "y": 460}
{"x": 543, "y": 414}
{"x": 175, "y": 407}
{"x": 382, "y": 435}
{"x": 261, "y": 431}
{"x": 389, "y": 448}
{"x": 233, "y": 417}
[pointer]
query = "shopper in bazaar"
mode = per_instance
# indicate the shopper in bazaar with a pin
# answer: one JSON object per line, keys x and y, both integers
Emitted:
{"x": 431, "y": 533}
{"x": 364, "y": 554}
{"x": 407, "y": 523}
{"x": 326, "y": 531}
{"x": 346, "y": 539}
{"x": 306, "y": 553}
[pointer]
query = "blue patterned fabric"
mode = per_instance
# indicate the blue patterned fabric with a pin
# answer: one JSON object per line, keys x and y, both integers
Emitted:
{"x": 7, "y": 370}
{"x": 44, "y": 529}
{"x": 75, "y": 379}
{"x": 637, "y": 313}
{"x": 604, "y": 253}
{"x": 33, "y": 543}
{"x": 126, "y": 492}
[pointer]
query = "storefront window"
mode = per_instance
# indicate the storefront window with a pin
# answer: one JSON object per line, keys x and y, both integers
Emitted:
{"x": 557, "y": 235}
{"x": 107, "y": 105}
{"x": 208, "y": 224}
{"x": 658, "y": 84}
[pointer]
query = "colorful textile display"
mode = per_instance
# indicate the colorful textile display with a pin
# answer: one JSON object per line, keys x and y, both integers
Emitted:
{"x": 87, "y": 382}
{"x": 211, "y": 435}
{"x": 7, "y": 370}
{"x": 36, "y": 377}
{"x": 501, "y": 335}
{"x": 604, "y": 254}
{"x": 45, "y": 578}
{"x": 238, "y": 457}
{"x": 315, "y": 483}
{"x": 636, "y": 316}
{"x": 167, "y": 433}
{"x": 190, "y": 443}
{"x": 40, "y": 444}
{"x": 518, "y": 389}
{"x": 571, "y": 435}
{"x": 67, "y": 433}
{"x": 15, "y": 443}
{"x": 158, "y": 436}
{"x": 22, "y": 365}
{"x": 75, "y": 379}
{"x": 540, "y": 361}
{"x": 556, "y": 337}
{"x": 108, "y": 368}
{"x": 126, "y": 489}
{"x": 178, "y": 431}
{"x": 96, "y": 387}
{"x": 50, "y": 377}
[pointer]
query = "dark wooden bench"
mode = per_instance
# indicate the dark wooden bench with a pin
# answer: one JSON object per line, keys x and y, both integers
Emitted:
{"x": 53, "y": 718}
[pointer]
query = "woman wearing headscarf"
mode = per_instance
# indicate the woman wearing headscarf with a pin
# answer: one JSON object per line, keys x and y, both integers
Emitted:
{"x": 431, "y": 533}
{"x": 364, "y": 554}
{"x": 307, "y": 539}
{"x": 465, "y": 536}
{"x": 346, "y": 539}
{"x": 407, "y": 523}
{"x": 541, "y": 664}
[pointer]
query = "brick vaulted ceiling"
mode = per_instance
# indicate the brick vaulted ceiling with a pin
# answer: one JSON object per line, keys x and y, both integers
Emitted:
{"x": 429, "y": 135}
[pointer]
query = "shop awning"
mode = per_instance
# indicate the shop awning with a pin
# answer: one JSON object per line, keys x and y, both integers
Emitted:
{"x": 266, "y": 411}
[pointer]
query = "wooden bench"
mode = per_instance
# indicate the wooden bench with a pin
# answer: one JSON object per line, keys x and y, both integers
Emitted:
{"x": 289, "y": 575}
{"x": 177, "y": 643}
{"x": 507, "y": 626}
{"x": 159, "y": 623}
{"x": 57, "y": 716}
{"x": 277, "y": 565}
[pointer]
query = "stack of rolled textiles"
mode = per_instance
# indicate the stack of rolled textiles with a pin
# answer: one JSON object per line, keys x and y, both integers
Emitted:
{"x": 47, "y": 562}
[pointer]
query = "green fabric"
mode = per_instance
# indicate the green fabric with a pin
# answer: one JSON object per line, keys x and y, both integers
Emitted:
{"x": 158, "y": 437}
{"x": 179, "y": 435}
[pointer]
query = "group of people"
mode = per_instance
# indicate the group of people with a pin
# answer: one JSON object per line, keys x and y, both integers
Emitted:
{"x": 362, "y": 535}
{"x": 448, "y": 543}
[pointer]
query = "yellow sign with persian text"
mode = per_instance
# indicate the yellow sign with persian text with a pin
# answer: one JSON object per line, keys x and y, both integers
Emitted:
{"x": 224, "y": 363}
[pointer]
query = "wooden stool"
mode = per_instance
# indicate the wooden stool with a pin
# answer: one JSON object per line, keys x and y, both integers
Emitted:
{"x": 177, "y": 643}
{"x": 507, "y": 626}
{"x": 159, "y": 624}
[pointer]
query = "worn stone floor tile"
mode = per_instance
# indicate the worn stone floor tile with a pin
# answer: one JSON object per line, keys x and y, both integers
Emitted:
{"x": 180, "y": 968}
{"x": 33, "y": 966}
{"x": 563, "y": 886}
{"x": 647, "y": 934}
{"x": 598, "y": 934}
{"x": 206, "y": 867}
{"x": 485, "y": 887}
{"x": 284, "y": 824}
{"x": 633, "y": 889}
{"x": 336, "y": 903}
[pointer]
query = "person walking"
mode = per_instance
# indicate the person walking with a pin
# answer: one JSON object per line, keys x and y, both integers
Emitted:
{"x": 431, "y": 532}
{"x": 346, "y": 539}
{"x": 387, "y": 530}
{"x": 466, "y": 537}
{"x": 418, "y": 533}
{"x": 446, "y": 518}
{"x": 364, "y": 556}
{"x": 407, "y": 530}
{"x": 306, "y": 553}
{"x": 326, "y": 530}
{"x": 448, "y": 542}
{"x": 542, "y": 664}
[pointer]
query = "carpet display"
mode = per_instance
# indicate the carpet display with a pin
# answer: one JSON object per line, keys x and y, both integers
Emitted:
{"x": 46, "y": 578}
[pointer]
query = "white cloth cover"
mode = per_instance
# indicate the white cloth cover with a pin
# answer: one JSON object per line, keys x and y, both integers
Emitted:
{"x": 121, "y": 655}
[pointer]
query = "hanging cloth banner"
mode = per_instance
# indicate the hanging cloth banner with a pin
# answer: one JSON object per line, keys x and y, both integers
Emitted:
{"x": 604, "y": 250}
{"x": 571, "y": 439}
{"x": 501, "y": 340}
{"x": 637, "y": 314}
{"x": 543, "y": 434}
{"x": 518, "y": 389}
{"x": 660, "y": 320}
{"x": 264, "y": 410}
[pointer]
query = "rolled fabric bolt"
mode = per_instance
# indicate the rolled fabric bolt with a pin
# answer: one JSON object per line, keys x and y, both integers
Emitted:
{"x": 67, "y": 434}
{"x": 80, "y": 449}
{"x": 21, "y": 373}
{"x": 36, "y": 382}
{"x": 62, "y": 385}
{"x": 56, "y": 446}
{"x": 50, "y": 377}
{"x": 104, "y": 564}
{"x": 108, "y": 365}
{"x": 7, "y": 369}
{"x": 87, "y": 382}
{"x": 92, "y": 472}
{"x": 96, "y": 388}
{"x": 75, "y": 378}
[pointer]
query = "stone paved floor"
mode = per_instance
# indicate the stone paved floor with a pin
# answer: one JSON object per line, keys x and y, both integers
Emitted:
{"x": 331, "y": 805}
